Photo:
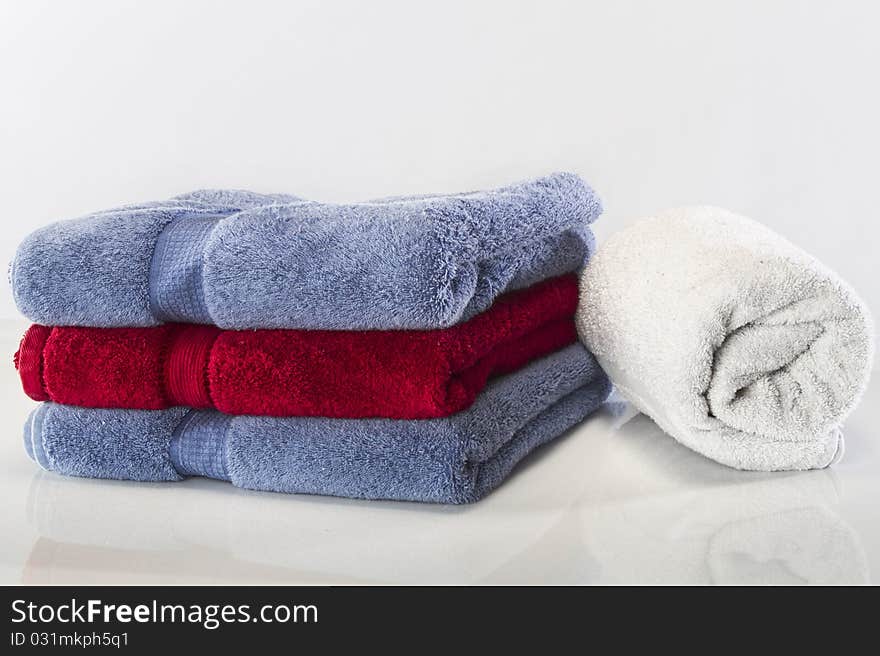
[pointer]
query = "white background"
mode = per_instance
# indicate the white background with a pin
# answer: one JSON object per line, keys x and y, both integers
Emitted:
{"x": 767, "y": 108}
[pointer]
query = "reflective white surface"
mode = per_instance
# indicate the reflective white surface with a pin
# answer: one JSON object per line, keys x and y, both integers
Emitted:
{"x": 615, "y": 501}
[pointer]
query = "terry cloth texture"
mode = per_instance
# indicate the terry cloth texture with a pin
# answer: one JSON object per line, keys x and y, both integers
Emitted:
{"x": 403, "y": 374}
{"x": 240, "y": 260}
{"x": 737, "y": 343}
{"x": 456, "y": 459}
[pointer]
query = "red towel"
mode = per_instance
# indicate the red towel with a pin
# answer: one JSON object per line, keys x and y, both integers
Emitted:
{"x": 399, "y": 374}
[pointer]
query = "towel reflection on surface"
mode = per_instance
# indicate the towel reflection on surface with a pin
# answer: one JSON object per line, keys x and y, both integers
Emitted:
{"x": 615, "y": 501}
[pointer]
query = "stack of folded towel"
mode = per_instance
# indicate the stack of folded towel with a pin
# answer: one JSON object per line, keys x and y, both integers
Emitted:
{"x": 405, "y": 348}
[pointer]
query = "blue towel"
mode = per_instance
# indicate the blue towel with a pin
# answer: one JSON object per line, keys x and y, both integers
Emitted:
{"x": 243, "y": 260}
{"x": 455, "y": 459}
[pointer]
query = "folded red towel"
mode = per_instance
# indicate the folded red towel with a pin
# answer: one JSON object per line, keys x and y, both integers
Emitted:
{"x": 399, "y": 374}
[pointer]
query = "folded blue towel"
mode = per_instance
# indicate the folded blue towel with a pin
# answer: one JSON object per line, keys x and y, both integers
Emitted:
{"x": 243, "y": 260}
{"x": 455, "y": 459}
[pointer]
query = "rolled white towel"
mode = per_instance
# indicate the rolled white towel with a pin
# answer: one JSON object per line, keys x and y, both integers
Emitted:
{"x": 736, "y": 342}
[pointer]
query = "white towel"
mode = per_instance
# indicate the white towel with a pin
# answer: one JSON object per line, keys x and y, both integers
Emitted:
{"x": 736, "y": 342}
